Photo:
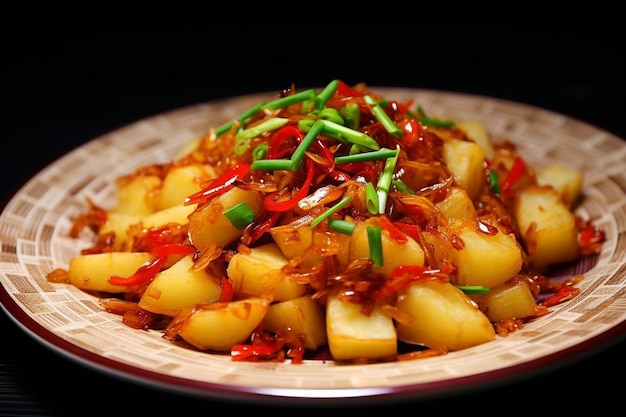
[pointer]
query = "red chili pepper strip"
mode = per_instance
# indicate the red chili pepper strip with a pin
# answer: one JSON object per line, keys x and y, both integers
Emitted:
{"x": 400, "y": 278}
{"x": 395, "y": 233}
{"x": 346, "y": 90}
{"x": 142, "y": 275}
{"x": 222, "y": 184}
{"x": 515, "y": 174}
{"x": 565, "y": 293}
{"x": 274, "y": 150}
{"x": 270, "y": 202}
{"x": 227, "y": 290}
{"x": 408, "y": 229}
{"x": 173, "y": 249}
{"x": 260, "y": 228}
{"x": 262, "y": 346}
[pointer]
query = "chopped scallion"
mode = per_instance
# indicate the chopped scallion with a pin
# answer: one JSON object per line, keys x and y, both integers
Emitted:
{"x": 242, "y": 118}
{"x": 382, "y": 153}
{"x": 271, "y": 164}
{"x": 341, "y": 226}
{"x": 325, "y": 95}
{"x": 402, "y": 187}
{"x": 474, "y": 289}
{"x": 351, "y": 115}
{"x": 494, "y": 182}
{"x": 298, "y": 153}
{"x": 331, "y": 114}
{"x": 331, "y": 210}
{"x": 290, "y": 100}
{"x": 240, "y": 215}
{"x": 371, "y": 198}
{"x": 243, "y": 138}
{"x": 260, "y": 151}
{"x": 347, "y": 135}
{"x": 374, "y": 239}
{"x": 383, "y": 117}
{"x": 430, "y": 121}
{"x": 384, "y": 181}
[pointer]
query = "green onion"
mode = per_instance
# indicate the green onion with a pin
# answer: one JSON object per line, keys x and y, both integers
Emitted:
{"x": 382, "y": 153}
{"x": 341, "y": 226}
{"x": 271, "y": 164}
{"x": 402, "y": 187}
{"x": 351, "y": 114}
{"x": 260, "y": 151}
{"x": 430, "y": 121}
{"x": 374, "y": 239}
{"x": 242, "y": 118}
{"x": 325, "y": 95}
{"x": 331, "y": 114}
{"x": 474, "y": 289}
{"x": 347, "y": 135}
{"x": 243, "y": 138}
{"x": 371, "y": 198}
{"x": 383, "y": 117}
{"x": 240, "y": 215}
{"x": 494, "y": 183}
{"x": 330, "y": 211}
{"x": 384, "y": 181}
{"x": 298, "y": 153}
{"x": 289, "y": 100}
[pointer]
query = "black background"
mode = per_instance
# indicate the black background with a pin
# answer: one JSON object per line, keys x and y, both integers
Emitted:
{"x": 69, "y": 80}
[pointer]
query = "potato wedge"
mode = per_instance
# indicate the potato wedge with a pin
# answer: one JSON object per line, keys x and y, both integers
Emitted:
{"x": 219, "y": 326}
{"x": 92, "y": 272}
{"x": 354, "y": 335}
{"x": 178, "y": 287}
{"x": 303, "y": 315}
{"x": 443, "y": 316}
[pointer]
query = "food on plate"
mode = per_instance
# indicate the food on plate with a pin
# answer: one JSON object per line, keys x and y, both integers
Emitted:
{"x": 335, "y": 224}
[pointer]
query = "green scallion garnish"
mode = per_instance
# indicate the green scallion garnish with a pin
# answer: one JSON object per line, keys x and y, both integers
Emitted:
{"x": 298, "y": 153}
{"x": 374, "y": 239}
{"x": 384, "y": 181}
{"x": 290, "y": 100}
{"x": 242, "y": 118}
{"x": 382, "y": 153}
{"x": 330, "y": 211}
{"x": 430, "y": 121}
{"x": 347, "y": 135}
{"x": 474, "y": 289}
{"x": 325, "y": 95}
{"x": 371, "y": 198}
{"x": 243, "y": 138}
{"x": 341, "y": 226}
{"x": 494, "y": 182}
{"x": 402, "y": 187}
{"x": 351, "y": 115}
{"x": 240, "y": 215}
{"x": 331, "y": 114}
{"x": 260, "y": 151}
{"x": 271, "y": 164}
{"x": 383, "y": 118}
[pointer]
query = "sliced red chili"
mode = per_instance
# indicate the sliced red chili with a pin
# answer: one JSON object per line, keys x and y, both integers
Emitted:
{"x": 395, "y": 233}
{"x": 276, "y": 150}
{"x": 515, "y": 174}
{"x": 145, "y": 272}
{"x": 222, "y": 184}
{"x": 565, "y": 293}
{"x": 258, "y": 229}
{"x": 346, "y": 90}
{"x": 271, "y": 202}
{"x": 227, "y": 290}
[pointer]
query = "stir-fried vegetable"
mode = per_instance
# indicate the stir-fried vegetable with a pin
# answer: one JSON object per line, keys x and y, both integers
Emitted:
{"x": 337, "y": 221}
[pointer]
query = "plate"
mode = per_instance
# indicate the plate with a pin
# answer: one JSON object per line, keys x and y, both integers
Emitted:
{"x": 34, "y": 235}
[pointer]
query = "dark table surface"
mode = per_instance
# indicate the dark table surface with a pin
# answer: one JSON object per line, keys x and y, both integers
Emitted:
{"x": 63, "y": 88}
